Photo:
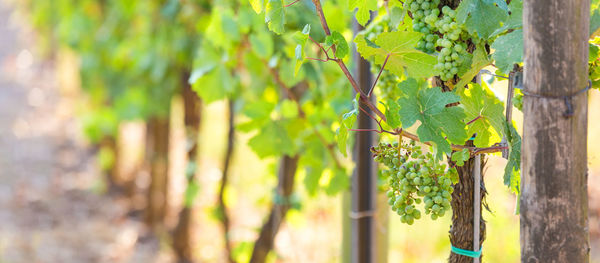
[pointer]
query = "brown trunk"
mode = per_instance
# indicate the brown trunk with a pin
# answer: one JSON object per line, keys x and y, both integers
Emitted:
{"x": 112, "y": 177}
{"x": 224, "y": 215}
{"x": 182, "y": 235}
{"x": 461, "y": 231}
{"x": 264, "y": 243}
{"x": 158, "y": 152}
{"x": 554, "y": 202}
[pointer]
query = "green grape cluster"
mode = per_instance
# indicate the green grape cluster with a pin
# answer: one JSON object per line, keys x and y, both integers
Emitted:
{"x": 415, "y": 177}
{"x": 425, "y": 13}
{"x": 452, "y": 48}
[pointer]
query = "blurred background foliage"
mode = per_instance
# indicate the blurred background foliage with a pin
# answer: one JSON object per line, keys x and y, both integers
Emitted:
{"x": 134, "y": 62}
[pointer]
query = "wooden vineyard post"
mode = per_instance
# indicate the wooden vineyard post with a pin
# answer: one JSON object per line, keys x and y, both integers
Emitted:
{"x": 554, "y": 202}
{"x": 364, "y": 178}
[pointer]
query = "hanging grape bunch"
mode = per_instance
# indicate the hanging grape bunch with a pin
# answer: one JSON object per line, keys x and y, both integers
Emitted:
{"x": 423, "y": 11}
{"x": 452, "y": 45}
{"x": 415, "y": 177}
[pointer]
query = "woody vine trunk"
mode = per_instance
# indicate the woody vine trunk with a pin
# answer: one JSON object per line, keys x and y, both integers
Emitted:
{"x": 285, "y": 187}
{"x": 182, "y": 234}
{"x": 157, "y": 155}
{"x": 222, "y": 207}
{"x": 461, "y": 231}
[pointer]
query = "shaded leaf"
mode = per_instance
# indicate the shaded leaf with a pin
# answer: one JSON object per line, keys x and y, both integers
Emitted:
{"x": 508, "y": 50}
{"x": 479, "y": 102}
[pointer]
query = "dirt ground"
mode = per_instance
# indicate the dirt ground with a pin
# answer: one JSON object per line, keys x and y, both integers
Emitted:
{"x": 49, "y": 208}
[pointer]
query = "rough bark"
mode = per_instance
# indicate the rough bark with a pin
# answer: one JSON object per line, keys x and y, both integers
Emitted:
{"x": 158, "y": 152}
{"x": 225, "y": 221}
{"x": 182, "y": 234}
{"x": 364, "y": 178}
{"x": 554, "y": 202}
{"x": 265, "y": 241}
{"x": 461, "y": 231}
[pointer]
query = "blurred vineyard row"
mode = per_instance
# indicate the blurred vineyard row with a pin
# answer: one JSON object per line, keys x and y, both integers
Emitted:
{"x": 205, "y": 123}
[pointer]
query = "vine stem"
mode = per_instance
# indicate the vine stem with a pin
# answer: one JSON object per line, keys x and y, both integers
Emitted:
{"x": 473, "y": 120}
{"x": 378, "y": 75}
{"x": 290, "y": 4}
{"x": 364, "y": 98}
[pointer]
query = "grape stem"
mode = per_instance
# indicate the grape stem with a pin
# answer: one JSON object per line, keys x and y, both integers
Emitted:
{"x": 365, "y": 99}
{"x": 378, "y": 75}
{"x": 290, "y": 4}
{"x": 473, "y": 120}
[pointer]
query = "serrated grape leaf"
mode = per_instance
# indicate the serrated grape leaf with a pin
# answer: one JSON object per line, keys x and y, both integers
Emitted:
{"x": 392, "y": 113}
{"x": 340, "y": 43}
{"x": 512, "y": 171}
{"x": 275, "y": 16}
{"x": 514, "y": 20}
{"x": 479, "y": 61}
{"x": 363, "y": 7}
{"x": 400, "y": 46}
{"x": 508, "y": 50}
{"x": 460, "y": 157}
{"x": 482, "y": 16}
{"x": 257, "y": 5}
{"x": 439, "y": 124}
{"x": 272, "y": 140}
{"x": 479, "y": 102}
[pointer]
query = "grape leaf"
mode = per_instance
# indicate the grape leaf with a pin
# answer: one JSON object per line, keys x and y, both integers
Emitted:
{"x": 363, "y": 7}
{"x": 479, "y": 102}
{"x": 347, "y": 123}
{"x": 262, "y": 44}
{"x": 459, "y": 157}
{"x": 301, "y": 38}
{"x": 340, "y": 43}
{"x": 209, "y": 60}
{"x": 392, "y": 113}
{"x": 342, "y": 133}
{"x": 515, "y": 19}
{"x": 439, "y": 124}
{"x": 272, "y": 140}
{"x": 482, "y": 16}
{"x": 479, "y": 61}
{"x": 403, "y": 56}
{"x": 338, "y": 182}
{"x": 508, "y": 50}
{"x": 275, "y": 16}
{"x": 214, "y": 85}
{"x": 512, "y": 171}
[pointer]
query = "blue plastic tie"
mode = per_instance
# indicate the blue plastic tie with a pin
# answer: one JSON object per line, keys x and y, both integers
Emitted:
{"x": 464, "y": 252}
